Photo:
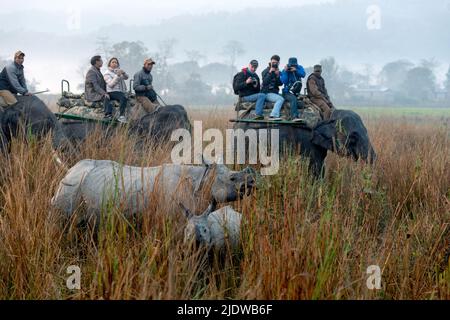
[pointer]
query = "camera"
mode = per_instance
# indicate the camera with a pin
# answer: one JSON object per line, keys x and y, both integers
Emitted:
{"x": 255, "y": 82}
{"x": 274, "y": 65}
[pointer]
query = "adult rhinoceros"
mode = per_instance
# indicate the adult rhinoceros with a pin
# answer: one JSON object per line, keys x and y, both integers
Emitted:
{"x": 344, "y": 133}
{"x": 94, "y": 183}
{"x": 31, "y": 115}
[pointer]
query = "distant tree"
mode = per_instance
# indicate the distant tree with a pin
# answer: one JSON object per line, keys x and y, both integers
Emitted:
{"x": 393, "y": 74}
{"x": 447, "y": 81}
{"x": 217, "y": 73}
{"x": 232, "y": 50}
{"x": 431, "y": 64}
{"x": 194, "y": 91}
{"x": 183, "y": 70}
{"x": 330, "y": 72}
{"x": 367, "y": 74}
{"x": 329, "y": 68}
{"x": 447, "y": 84}
{"x": 195, "y": 56}
{"x": 103, "y": 46}
{"x": 420, "y": 84}
{"x": 131, "y": 55}
{"x": 351, "y": 78}
{"x": 161, "y": 70}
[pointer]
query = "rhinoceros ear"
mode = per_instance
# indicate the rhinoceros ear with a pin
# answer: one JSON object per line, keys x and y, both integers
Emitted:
{"x": 324, "y": 133}
{"x": 211, "y": 208}
{"x": 186, "y": 211}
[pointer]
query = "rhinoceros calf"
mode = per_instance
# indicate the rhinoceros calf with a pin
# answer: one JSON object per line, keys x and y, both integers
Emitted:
{"x": 96, "y": 183}
{"x": 213, "y": 228}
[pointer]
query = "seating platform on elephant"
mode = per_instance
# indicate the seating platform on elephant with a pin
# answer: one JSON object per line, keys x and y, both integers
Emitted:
{"x": 71, "y": 104}
{"x": 310, "y": 115}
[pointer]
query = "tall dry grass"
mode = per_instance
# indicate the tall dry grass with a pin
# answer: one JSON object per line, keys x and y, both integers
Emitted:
{"x": 301, "y": 238}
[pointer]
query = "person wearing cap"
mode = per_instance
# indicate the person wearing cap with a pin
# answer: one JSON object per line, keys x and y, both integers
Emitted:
{"x": 145, "y": 94}
{"x": 271, "y": 83}
{"x": 291, "y": 77}
{"x": 116, "y": 86}
{"x": 95, "y": 87}
{"x": 12, "y": 80}
{"x": 247, "y": 85}
{"x": 318, "y": 93}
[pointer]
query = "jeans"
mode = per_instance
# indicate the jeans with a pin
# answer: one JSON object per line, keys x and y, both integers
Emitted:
{"x": 260, "y": 99}
{"x": 279, "y": 100}
{"x": 294, "y": 104}
{"x": 116, "y": 96}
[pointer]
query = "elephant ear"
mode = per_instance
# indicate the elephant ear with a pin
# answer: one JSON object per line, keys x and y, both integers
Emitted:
{"x": 324, "y": 133}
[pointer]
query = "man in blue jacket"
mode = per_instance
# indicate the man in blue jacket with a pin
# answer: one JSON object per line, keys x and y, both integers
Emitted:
{"x": 12, "y": 80}
{"x": 291, "y": 77}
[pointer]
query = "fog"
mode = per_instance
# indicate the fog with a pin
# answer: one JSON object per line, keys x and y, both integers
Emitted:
{"x": 360, "y": 38}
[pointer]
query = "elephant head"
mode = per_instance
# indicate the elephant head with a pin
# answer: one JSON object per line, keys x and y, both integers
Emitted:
{"x": 32, "y": 113}
{"x": 346, "y": 135}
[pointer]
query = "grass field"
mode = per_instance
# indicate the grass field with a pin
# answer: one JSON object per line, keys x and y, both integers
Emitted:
{"x": 301, "y": 238}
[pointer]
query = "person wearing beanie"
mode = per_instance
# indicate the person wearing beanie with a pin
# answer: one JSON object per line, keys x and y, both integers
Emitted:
{"x": 318, "y": 93}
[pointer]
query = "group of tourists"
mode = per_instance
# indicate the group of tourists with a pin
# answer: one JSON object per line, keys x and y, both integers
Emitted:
{"x": 99, "y": 88}
{"x": 108, "y": 87}
{"x": 247, "y": 85}
{"x": 111, "y": 87}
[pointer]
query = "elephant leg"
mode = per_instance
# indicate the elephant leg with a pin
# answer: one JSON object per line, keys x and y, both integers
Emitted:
{"x": 317, "y": 162}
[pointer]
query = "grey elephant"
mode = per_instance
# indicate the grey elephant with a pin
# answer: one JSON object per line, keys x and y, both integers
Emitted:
{"x": 31, "y": 115}
{"x": 344, "y": 133}
{"x": 156, "y": 126}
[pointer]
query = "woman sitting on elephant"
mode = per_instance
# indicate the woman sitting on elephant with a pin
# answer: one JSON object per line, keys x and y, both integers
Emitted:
{"x": 115, "y": 85}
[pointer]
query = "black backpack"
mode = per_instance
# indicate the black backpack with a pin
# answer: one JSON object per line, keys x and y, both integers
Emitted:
{"x": 235, "y": 78}
{"x": 296, "y": 88}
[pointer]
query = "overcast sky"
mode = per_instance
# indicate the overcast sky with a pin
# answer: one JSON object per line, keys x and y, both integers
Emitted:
{"x": 69, "y": 29}
{"x": 145, "y": 11}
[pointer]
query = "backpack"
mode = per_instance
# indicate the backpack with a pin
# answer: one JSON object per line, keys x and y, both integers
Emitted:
{"x": 295, "y": 88}
{"x": 235, "y": 78}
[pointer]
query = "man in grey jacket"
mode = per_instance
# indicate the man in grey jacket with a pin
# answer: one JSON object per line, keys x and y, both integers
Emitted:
{"x": 95, "y": 86}
{"x": 12, "y": 80}
{"x": 142, "y": 85}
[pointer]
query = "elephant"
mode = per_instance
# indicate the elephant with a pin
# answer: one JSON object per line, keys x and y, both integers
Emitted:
{"x": 344, "y": 133}
{"x": 157, "y": 126}
{"x": 36, "y": 118}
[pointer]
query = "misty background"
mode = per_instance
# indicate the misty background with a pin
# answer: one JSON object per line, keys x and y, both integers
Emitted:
{"x": 374, "y": 52}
